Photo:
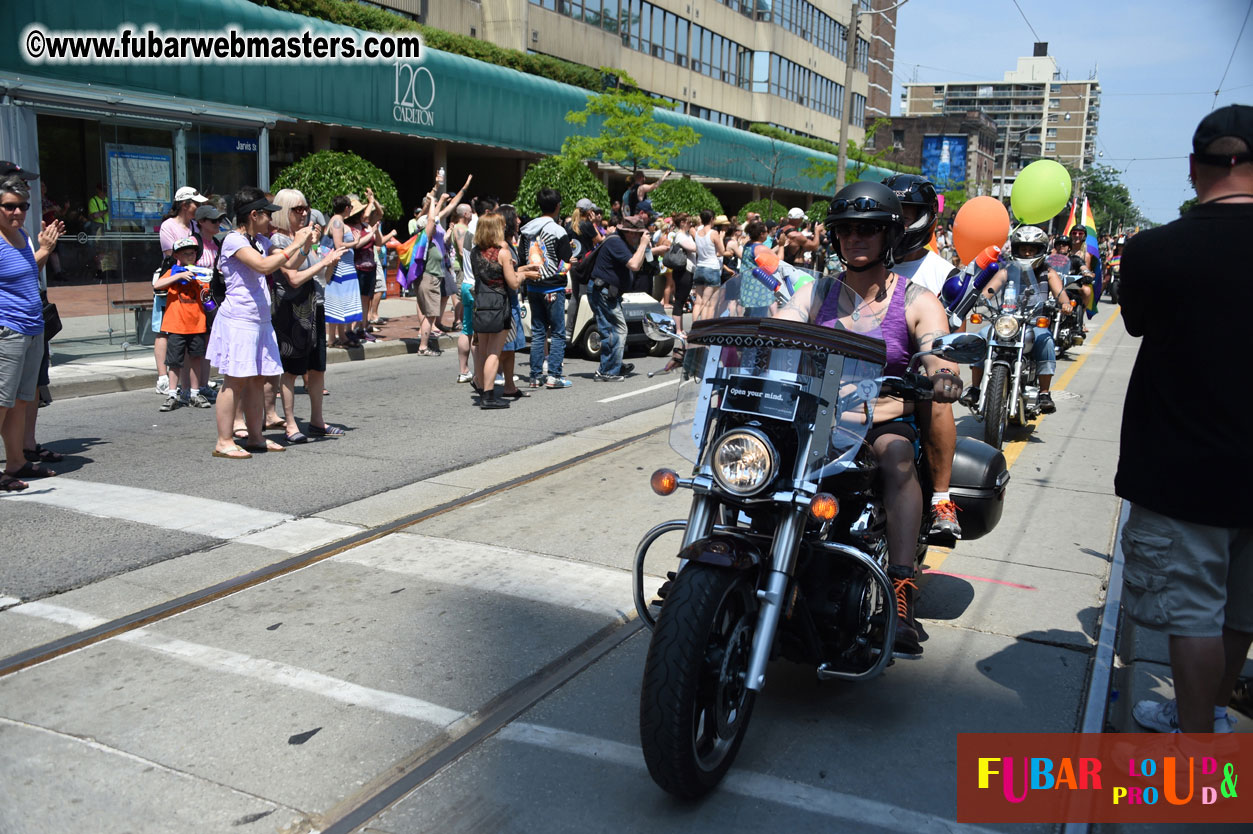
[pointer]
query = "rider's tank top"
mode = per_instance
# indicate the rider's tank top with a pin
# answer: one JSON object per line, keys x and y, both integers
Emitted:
{"x": 894, "y": 328}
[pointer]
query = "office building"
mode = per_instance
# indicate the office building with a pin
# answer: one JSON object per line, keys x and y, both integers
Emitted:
{"x": 1038, "y": 113}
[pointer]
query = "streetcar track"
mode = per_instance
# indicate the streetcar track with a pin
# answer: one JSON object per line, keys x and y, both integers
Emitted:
{"x": 195, "y": 599}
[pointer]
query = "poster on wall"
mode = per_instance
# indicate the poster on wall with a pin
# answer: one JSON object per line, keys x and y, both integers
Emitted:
{"x": 141, "y": 181}
{"x": 944, "y": 161}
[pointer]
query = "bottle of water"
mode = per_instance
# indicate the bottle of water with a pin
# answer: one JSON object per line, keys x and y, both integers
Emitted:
{"x": 1010, "y": 300}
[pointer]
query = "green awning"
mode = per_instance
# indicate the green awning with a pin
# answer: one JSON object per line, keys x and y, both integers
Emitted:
{"x": 441, "y": 96}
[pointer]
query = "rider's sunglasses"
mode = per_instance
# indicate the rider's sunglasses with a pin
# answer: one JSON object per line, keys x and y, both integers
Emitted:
{"x": 862, "y": 229}
{"x": 858, "y": 204}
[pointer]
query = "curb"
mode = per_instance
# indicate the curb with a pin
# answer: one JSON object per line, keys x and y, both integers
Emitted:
{"x": 112, "y": 380}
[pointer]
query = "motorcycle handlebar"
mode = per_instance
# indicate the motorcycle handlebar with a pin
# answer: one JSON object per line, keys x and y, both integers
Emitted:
{"x": 910, "y": 387}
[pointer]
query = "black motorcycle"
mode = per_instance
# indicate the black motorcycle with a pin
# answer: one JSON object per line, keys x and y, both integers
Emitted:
{"x": 784, "y": 550}
{"x": 1067, "y": 328}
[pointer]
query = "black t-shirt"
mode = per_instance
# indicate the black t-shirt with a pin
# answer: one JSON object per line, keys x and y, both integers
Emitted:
{"x": 585, "y": 234}
{"x": 1186, "y": 291}
{"x": 611, "y": 263}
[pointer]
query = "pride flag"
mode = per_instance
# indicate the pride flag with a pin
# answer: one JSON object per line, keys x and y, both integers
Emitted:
{"x": 409, "y": 254}
{"x": 1094, "y": 249}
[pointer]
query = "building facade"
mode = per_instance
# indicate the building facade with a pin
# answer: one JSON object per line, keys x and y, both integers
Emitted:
{"x": 733, "y": 62}
{"x": 957, "y": 152}
{"x": 1038, "y": 114}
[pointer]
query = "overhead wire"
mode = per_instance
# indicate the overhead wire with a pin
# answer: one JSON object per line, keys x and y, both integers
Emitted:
{"x": 1234, "y": 47}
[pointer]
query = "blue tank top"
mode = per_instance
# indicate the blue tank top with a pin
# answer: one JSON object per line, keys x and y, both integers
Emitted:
{"x": 20, "y": 306}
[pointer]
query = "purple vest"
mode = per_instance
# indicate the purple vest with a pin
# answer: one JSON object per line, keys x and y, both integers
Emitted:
{"x": 894, "y": 329}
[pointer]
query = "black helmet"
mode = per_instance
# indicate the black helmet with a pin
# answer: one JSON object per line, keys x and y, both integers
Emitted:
{"x": 872, "y": 201}
{"x": 913, "y": 190}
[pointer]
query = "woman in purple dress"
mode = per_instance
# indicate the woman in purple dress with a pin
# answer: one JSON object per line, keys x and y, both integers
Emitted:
{"x": 242, "y": 344}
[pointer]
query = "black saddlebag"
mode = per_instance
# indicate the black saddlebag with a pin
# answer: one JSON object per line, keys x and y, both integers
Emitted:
{"x": 978, "y": 486}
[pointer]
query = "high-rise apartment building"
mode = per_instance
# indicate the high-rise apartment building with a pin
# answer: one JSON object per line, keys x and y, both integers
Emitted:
{"x": 734, "y": 62}
{"x": 1038, "y": 114}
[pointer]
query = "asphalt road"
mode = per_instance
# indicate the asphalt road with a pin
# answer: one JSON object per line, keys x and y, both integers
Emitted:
{"x": 406, "y": 419}
{"x": 487, "y": 652}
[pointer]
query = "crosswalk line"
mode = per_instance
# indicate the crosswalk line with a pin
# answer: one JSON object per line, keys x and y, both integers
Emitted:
{"x": 503, "y": 570}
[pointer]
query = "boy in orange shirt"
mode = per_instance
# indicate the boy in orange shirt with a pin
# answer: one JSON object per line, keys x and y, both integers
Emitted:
{"x": 184, "y": 322}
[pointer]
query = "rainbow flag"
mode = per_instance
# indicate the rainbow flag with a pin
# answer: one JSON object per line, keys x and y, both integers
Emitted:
{"x": 409, "y": 254}
{"x": 1070, "y": 221}
{"x": 1094, "y": 249}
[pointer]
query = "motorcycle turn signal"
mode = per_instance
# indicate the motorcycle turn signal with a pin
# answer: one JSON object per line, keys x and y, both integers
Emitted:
{"x": 976, "y": 318}
{"x": 824, "y": 507}
{"x": 664, "y": 481}
{"x": 1042, "y": 321}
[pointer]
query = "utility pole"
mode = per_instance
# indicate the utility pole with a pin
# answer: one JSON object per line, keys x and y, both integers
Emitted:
{"x": 850, "y": 58}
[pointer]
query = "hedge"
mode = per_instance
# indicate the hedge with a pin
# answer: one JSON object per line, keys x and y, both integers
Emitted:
{"x": 572, "y": 178}
{"x": 768, "y": 209}
{"x": 684, "y": 195}
{"x": 771, "y": 132}
{"x": 324, "y": 175}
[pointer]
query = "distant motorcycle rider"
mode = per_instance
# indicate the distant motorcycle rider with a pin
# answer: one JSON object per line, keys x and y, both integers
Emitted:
{"x": 1027, "y": 245}
{"x": 920, "y": 206}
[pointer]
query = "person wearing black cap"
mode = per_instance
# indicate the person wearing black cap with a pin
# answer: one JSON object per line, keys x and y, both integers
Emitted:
{"x": 1188, "y": 542}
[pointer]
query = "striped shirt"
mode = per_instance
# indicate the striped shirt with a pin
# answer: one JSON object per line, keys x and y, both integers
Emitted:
{"x": 20, "y": 306}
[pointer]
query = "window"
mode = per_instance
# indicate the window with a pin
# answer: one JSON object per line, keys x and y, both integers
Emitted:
{"x": 859, "y": 110}
{"x": 1055, "y": 102}
{"x": 591, "y": 12}
{"x": 1050, "y": 146}
{"x": 609, "y": 15}
{"x": 898, "y": 140}
{"x": 681, "y": 43}
{"x": 1051, "y": 133}
{"x": 862, "y": 56}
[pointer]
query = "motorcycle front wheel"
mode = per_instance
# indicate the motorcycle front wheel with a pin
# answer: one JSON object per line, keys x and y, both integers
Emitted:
{"x": 995, "y": 411}
{"x": 694, "y": 701}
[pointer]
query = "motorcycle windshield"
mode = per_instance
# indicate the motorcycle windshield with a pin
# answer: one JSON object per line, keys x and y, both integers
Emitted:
{"x": 1030, "y": 294}
{"x": 762, "y": 353}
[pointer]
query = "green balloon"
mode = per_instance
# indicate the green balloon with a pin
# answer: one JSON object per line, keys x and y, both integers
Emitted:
{"x": 1040, "y": 192}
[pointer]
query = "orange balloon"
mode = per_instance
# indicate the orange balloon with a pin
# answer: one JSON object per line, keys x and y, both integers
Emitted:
{"x": 980, "y": 223}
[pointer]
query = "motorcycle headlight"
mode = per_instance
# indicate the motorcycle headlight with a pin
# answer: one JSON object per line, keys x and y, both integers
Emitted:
{"x": 1006, "y": 327}
{"x": 743, "y": 461}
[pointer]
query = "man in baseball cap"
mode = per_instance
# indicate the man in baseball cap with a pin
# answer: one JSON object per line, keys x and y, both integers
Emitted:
{"x": 1189, "y": 555}
{"x": 796, "y": 213}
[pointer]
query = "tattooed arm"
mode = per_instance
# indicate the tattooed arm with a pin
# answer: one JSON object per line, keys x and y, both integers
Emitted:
{"x": 927, "y": 322}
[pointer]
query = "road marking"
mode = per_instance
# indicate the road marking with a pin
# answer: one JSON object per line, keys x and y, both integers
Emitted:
{"x": 8, "y": 602}
{"x": 640, "y": 391}
{"x": 981, "y": 579}
{"x": 758, "y": 786}
{"x": 185, "y": 513}
{"x": 502, "y": 570}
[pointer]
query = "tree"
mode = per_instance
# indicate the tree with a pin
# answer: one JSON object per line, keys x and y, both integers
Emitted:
{"x": 768, "y": 209}
{"x": 629, "y": 135}
{"x": 569, "y": 176}
{"x": 1187, "y": 205}
{"x": 324, "y": 175}
{"x": 860, "y": 159}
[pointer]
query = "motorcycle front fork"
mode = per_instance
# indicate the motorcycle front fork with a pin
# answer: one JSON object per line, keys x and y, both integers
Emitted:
{"x": 772, "y": 596}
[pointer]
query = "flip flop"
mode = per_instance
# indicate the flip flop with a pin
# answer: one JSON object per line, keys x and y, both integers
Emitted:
{"x": 33, "y": 470}
{"x": 267, "y": 446}
{"x": 227, "y": 454}
{"x": 8, "y": 483}
{"x": 516, "y": 395}
{"x": 39, "y": 453}
{"x": 276, "y": 424}
{"x": 240, "y": 434}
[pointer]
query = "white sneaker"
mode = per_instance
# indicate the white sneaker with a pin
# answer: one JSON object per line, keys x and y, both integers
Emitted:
{"x": 1163, "y": 717}
{"x": 163, "y": 386}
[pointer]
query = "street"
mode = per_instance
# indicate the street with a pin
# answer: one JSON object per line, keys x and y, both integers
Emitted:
{"x": 452, "y": 645}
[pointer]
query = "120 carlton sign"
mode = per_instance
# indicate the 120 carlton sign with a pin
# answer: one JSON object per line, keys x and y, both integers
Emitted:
{"x": 414, "y": 95}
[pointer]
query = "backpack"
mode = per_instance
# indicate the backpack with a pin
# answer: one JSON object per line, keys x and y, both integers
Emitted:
{"x": 581, "y": 270}
{"x": 217, "y": 284}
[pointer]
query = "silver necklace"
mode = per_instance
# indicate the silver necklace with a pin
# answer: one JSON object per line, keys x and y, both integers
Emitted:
{"x": 882, "y": 294}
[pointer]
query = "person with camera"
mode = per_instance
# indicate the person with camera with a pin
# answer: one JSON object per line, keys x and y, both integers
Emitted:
{"x": 621, "y": 255}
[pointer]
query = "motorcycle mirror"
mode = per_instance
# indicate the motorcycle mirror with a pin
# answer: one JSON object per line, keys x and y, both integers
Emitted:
{"x": 659, "y": 327}
{"x": 962, "y": 348}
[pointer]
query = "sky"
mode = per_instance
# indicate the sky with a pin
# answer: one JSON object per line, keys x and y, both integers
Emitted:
{"x": 1158, "y": 62}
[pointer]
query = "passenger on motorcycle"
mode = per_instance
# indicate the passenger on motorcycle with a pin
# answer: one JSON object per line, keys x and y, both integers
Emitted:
{"x": 1082, "y": 258}
{"x": 866, "y": 224}
{"x": 1059, "y": 261}
{"x": 1027, "y": 249}
{"x": 920, "y": 265}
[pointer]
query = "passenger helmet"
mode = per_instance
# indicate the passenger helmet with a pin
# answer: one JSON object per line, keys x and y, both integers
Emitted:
{"x": 913, "y": 190}
{"x": 1025, "y": 238}
{"x": 868, "y": 201}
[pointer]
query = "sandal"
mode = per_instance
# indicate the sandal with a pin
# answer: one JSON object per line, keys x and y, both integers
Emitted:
{"x": 33, "y": 470}
{"x": 39, "y": 453}
{"x": 298, "y": 437}
{"x": 240, "y": 434}
{"x": 267, "y": 446}
{"x": 229, "y": 454}
{"x": 326, "y": 431}
{"x": 276, "y": 424}
{"x": 9, "y": 483}
{"x": 515, "y": 395}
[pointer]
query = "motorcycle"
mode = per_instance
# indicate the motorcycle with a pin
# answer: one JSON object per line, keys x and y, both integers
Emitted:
{"x": 1010, "y": 392}
{"x": 1067, "y": 328}
{"x": 1112, "y": 283}
{"x": 784, "y": 549}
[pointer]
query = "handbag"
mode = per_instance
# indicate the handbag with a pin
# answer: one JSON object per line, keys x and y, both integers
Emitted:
{"x": 676, "y": 258}
{"x": 491, "y": 311}
{"x": 52, "y": 321}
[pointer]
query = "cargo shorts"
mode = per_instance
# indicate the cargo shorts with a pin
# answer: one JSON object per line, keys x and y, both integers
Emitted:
{"x": 1186, "y": 579}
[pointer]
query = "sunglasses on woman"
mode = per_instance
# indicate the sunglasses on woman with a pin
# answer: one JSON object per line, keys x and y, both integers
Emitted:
{"x": 12, "y": 207}
{"x": 863, "y": 229}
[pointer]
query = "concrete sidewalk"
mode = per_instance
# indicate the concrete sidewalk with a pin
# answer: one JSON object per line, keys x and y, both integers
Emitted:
{"x": 98, "y": 350}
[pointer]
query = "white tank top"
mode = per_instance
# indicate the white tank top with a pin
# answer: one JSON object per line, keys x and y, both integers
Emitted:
{"x": 706, "y": 254}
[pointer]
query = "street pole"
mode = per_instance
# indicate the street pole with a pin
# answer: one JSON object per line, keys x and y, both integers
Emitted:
{"x": 850, "y": 39}
{"x": 1004, "y": 162}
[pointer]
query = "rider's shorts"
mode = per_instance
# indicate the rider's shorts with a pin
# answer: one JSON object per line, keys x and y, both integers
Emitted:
{"x": 904, "y": 426}
{"x": 1187, "y": 579}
